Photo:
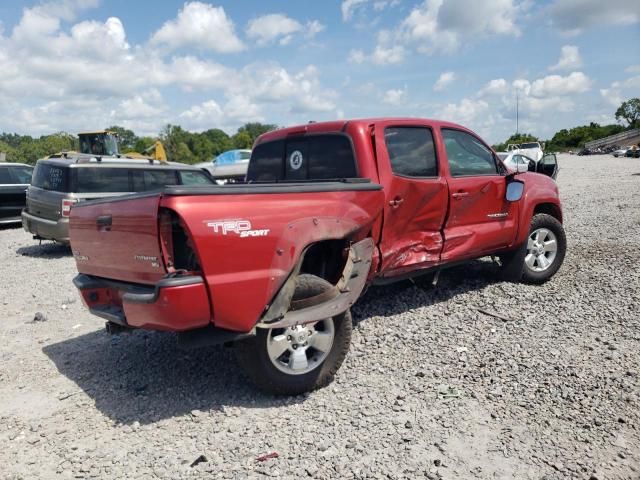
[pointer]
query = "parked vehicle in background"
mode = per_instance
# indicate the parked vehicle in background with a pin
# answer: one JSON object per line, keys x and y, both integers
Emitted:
{"x": 548, "y": 165}
{"x": 621, "y": 151}
{"x": 585, "y": 151}
{"x": 14, "y": 181}
{"x": 275, "y": 264}
{"x": 532, "y": 150}
{"x": 228, "y": 167}
{"x": 61, "y": 182}
{"x": 633, "y": 152}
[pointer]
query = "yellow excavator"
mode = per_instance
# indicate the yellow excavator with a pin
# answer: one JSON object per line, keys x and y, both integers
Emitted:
{"x": 105, "y": 142}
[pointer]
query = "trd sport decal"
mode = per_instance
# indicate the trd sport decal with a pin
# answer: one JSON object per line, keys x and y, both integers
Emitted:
{"x": 242, "y": 228}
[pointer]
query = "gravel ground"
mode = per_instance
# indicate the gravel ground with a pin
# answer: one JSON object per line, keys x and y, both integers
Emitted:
{"x": 550, "y": 391}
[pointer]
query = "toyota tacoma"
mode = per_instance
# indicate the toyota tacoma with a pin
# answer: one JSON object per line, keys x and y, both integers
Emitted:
{"x": 273, "y": 265}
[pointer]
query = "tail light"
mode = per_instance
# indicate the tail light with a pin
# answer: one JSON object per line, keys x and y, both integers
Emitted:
{"x": 67, "y": 203}
{"x": 176, "y": 244}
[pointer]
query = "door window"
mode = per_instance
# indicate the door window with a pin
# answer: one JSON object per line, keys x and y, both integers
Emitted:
{"x": 411, "y": 151}
{"x": 21, "y": 175}
{"x": 467, "y": 155}
{"x": 194, "y": 178}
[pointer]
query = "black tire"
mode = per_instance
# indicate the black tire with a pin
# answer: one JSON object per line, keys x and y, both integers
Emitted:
{"x": 253, "y": 356}
{"x": 514, "y": 267}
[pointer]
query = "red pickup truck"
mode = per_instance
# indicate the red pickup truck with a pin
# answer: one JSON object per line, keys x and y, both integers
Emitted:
{"x": 274, "y": 264}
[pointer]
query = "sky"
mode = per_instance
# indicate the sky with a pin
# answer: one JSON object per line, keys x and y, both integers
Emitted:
{"x": 74, "y": 65}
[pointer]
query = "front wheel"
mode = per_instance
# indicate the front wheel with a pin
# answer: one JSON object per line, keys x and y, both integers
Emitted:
{"x": 541, "y": 256}
{"x": 301, "y": 358}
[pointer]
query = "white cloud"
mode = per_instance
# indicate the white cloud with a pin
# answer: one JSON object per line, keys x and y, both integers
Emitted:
{"x": 569, "y": 59}
{"x": 277, "y": 27}
{"x": 312, "y": 28}
{"x": 632, "y": 69}
{"x": 383, "y": 54}
{"x": 574, "y": 16}
{"x": 444, "y": 81}
{"x": 552, "y": 85}
{"x": 497, "y": 86}
{"x": 199, "y": 25}
{"x": 65, "y": 78}
{"x": 466, "y": 112}
{"x": 348, "y": 7}
{"x": 272, "y": 27}
{"x": 439, "y": 27}
{"x": 395, "y": 97}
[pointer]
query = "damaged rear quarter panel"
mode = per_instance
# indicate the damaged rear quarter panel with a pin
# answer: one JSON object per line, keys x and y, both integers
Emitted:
{"x": 244, "y": 274}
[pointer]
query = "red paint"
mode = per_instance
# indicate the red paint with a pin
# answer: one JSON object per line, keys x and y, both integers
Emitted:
{"x": 416, "y": 223}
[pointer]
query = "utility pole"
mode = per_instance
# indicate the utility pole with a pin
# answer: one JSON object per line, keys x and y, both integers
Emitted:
{"x": 517, "y": 108}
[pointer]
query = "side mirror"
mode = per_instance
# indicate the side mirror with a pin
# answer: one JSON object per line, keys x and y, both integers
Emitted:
{"x": 515, "y": 189}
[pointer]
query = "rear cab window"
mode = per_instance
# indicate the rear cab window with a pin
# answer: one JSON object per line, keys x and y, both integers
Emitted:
{"x": 20, "y": 175}
{"x": 310, "y": 157}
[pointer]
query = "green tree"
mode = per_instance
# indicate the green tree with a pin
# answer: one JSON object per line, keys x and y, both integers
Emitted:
{"x": 630, "y": 112}
{"x": 242, "y": 139}
{"x": 256, "y": 129}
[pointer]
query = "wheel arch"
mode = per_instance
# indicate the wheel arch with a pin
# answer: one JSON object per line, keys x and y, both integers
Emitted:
{"x": 550, "y": 209}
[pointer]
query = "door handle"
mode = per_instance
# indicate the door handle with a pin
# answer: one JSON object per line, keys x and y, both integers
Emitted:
{"x": 104, "y": 221}
{"x": 395, "y": 203}
{"x": 460, "y": 195}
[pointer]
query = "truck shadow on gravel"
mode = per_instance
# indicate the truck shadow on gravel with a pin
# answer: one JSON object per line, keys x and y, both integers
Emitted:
{"x": 47, "y": 250}
{"x": 144, "y": 377}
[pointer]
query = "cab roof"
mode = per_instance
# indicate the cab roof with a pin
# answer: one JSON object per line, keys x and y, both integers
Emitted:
{"x": 342, "y": 125}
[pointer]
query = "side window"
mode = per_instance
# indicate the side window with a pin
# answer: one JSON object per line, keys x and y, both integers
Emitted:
{"x": 411, "y": 151}
{"x": 102, "y": 180}
{"x": 21, "y": 175}
{"x": 193, "y": 178}
{"x": 467, "y": 155}
{"x": 5, "y": 178}
{"x": 156, "y": 179}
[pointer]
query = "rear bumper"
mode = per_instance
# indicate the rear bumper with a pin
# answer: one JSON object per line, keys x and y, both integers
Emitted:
{"x": 173, "y": 304}
{"x": 42, "y": 227}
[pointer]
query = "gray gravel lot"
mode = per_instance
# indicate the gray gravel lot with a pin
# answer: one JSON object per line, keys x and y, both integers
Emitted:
{"x": 552, "y": 392}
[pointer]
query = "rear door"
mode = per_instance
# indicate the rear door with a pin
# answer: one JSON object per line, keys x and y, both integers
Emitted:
{"x": 51, "y": 183}
{"x": 118, "y": 239}
{"x": 416, "y": 196}
{"x": 480, "y": 219}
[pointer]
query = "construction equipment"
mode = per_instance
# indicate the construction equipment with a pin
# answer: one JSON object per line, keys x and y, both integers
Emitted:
{"x": 101, "y": 142}
{"x": 154, "y": 152}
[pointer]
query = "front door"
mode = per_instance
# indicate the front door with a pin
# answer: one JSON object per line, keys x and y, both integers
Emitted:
{"x": 416, "y": 197}
{"x": 480, "y": 219}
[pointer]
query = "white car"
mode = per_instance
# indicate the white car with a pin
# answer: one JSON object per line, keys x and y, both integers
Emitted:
{"x": 547, "y": 165}
{"x": 530, "y": 149}
{"x": 620, "y": 152}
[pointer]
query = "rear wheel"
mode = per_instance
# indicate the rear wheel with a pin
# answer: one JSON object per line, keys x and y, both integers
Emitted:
{"x": 298, "y": 359}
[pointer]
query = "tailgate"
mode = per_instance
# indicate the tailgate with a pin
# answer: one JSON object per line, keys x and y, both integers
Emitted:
{"x": 118, "y": 239}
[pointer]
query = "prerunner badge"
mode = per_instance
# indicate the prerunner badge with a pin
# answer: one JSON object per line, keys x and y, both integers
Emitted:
{"x": 295, "y": 159}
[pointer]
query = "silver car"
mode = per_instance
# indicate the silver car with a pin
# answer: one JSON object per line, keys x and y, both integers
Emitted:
{"x": 60, "y": 182}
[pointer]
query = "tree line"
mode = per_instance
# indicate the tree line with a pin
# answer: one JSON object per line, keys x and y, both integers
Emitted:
{"x": 576, "y": 137}
{"x": 193, "y": 147}
{"x": 181, "y": 145}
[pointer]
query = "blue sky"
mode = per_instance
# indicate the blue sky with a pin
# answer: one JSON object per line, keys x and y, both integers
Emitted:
{"x": 77, "y": 64}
